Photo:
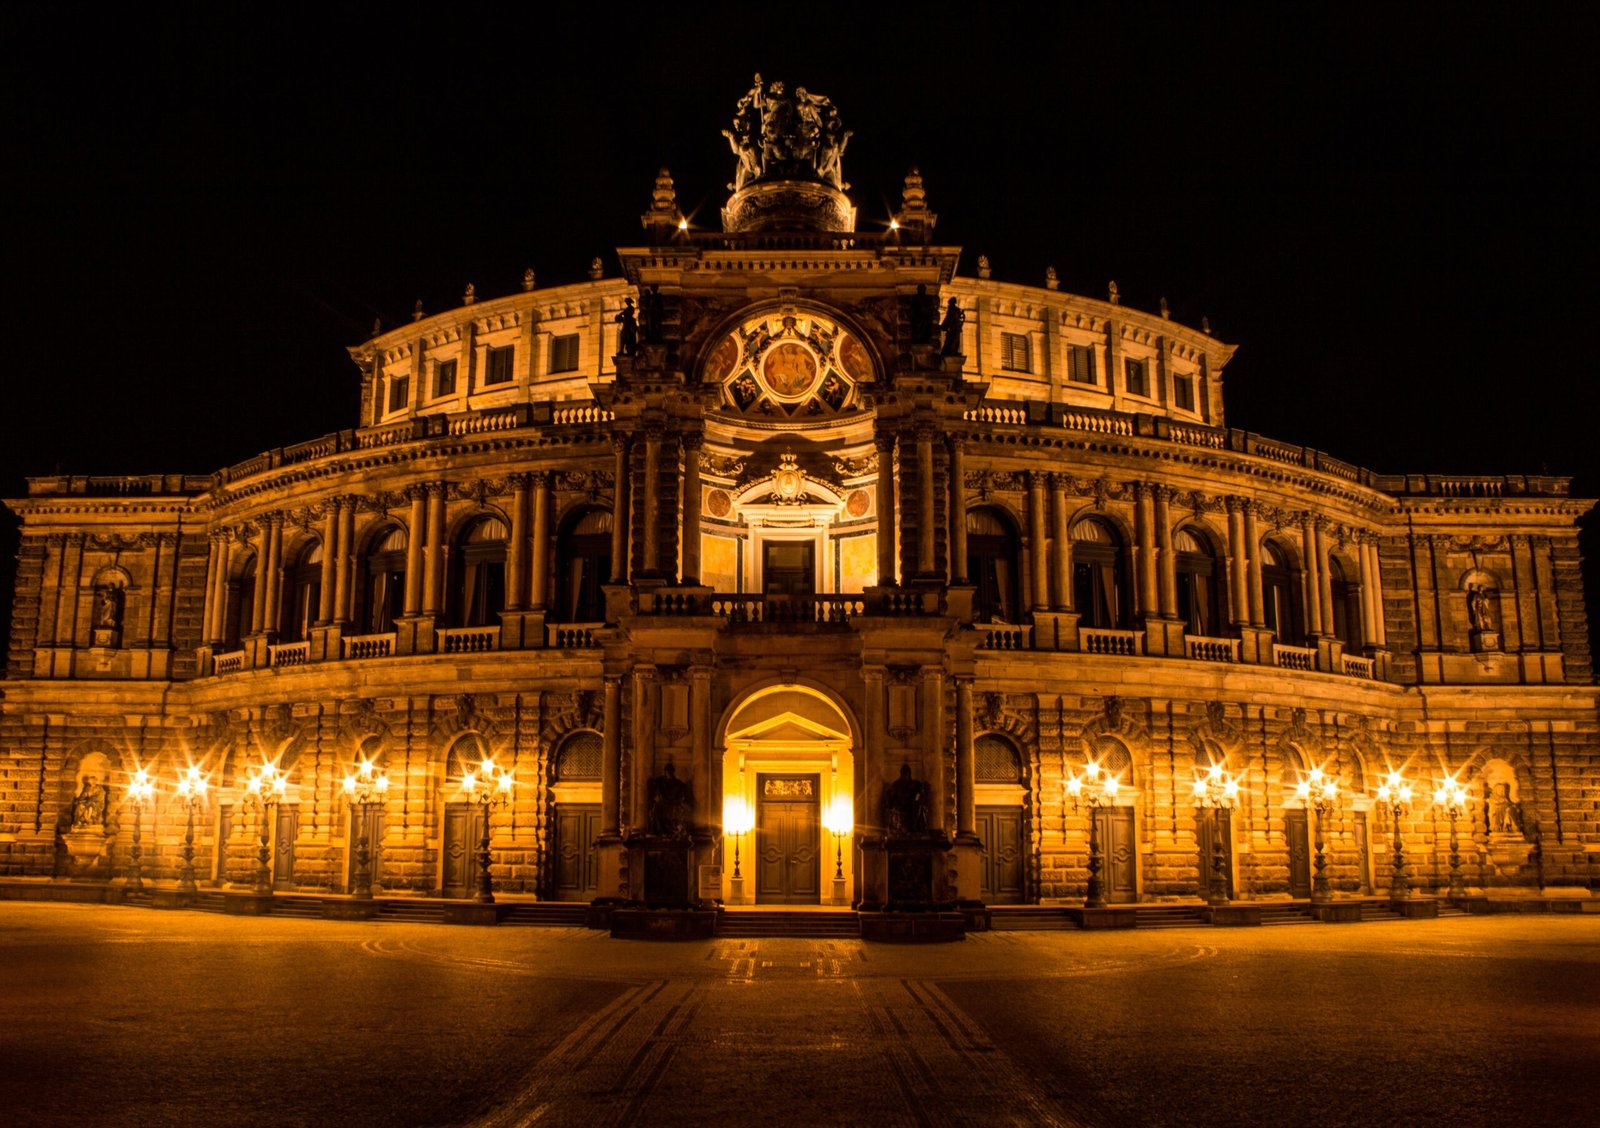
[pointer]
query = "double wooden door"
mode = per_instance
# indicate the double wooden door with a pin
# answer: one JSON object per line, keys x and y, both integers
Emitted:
{"x": 1215, "y": 827}
{"x": 1297, "y": 830}
{"x": 1119, "y": 862}
{"x": 1000, "y": 831}
{"x": 576, "y": 866}
{"x": 288, "y": 829}
{"x": 368, "y": 822}
{"x": 788, "y": 846}
{"x": 463, "y": 830}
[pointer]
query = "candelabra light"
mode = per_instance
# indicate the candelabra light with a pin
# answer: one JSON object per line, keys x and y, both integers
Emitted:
{"x": 1096, "y": 788}
{"x": 365, "y": 788}
{"x": 1395, "y": 794}
{"x": 192, "y": 790}
{"x": 1454, "y": 799}
{"x": 1214, "y": 792}
{"x": 1319, "y": 792}
{"x": 489, "y": 787}
{"x": 264, "y": 791}
{"x": 840, "y": 822}
{"x": 140, "y": 789}
{"x": 737, "y": 820}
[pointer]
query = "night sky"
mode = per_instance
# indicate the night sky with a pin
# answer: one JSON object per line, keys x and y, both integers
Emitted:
{"x": 1391, "y": 213}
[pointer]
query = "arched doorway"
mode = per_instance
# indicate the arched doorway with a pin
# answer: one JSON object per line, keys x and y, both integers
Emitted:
{"x": 575, "y": 817}
{"x": 788, "y": 762}
{"x": 463, "y": 820}
{"x": 1117, "y": 825}
{"x": 1000, "y": 793}
{"x": 1296, "y": 823}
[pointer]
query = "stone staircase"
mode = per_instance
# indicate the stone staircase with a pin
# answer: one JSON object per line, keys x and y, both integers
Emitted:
{"x": 1030, "y": 918}
{"x": 842, "y": 924}
{"x": 547, "y": 914}
{"x": 1169, "y": 916}
{"x": 1286, "y": 912}
{"x": 410, "y": 911}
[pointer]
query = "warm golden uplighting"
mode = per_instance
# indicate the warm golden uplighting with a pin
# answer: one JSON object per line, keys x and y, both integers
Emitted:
{"x": 738, "y": 820}
{"x": 141, "y": 787}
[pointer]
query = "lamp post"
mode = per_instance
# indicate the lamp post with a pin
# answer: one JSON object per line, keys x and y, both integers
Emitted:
{"x": 366, "y": 787}
{"x": 192, "y": 790}
{"x": 1320, "y": 792}
{"x": 737, "y": 820}
{"x": 140, "y": 788}
{"x": 1214, "y": 792}
{"x": 264, "y": 790}
{"x": 489, "y": 787}
{"x": 1395, "y": 793}
{"x": 1097, "y": 788}
{"x": 840, "y": 821}
{"x": 1453, "y": 798}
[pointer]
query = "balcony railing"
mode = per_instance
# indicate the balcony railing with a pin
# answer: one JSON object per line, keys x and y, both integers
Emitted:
{"x": 1004, "y": 636}
{"x": 468, "y": 640}
{"x": 288, "y": 654}
{"x": 230, "y": 662}
{"x": 1203, "y": 649}
{"x": 1103, "y": 640}
{"x": 1294, "y": 657}
{"x": 571, "y": 636}
{"x": 788, "y": 608}
{"x": 1357, "y": 667}
{"x": 367, "y": 646}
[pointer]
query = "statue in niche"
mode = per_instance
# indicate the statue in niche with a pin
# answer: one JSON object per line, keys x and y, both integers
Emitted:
{"x": 89, "y": 807}
{"x": 905, "y": 805}
{"x": 108, "y": 609}
{"x": 924, "y": 316}
{"x": 951, "y": 326}
{"x": 1505, "y": 813}
{"x": 627, "y": 330}
{"x": 671, "y": 805}
{"x": 1481, "y": 609}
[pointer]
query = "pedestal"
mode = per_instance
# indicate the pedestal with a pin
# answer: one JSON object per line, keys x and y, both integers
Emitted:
{"x": 85, "y": 846}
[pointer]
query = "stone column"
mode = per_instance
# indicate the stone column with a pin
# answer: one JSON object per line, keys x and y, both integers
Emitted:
{"x": 958, "y": 510}
{"x": 273, "y": 606}
{"x": 692, "y": 442}
{"x": 330, "y": 539}
{"x": 209, "y": 613}
{"x": 646, "y": 723}
{"x": 1145, "y": 545}
{"x": 517, "y": 546}
{"x": 620, "y": 511}
{"x": 1310, "y": 574}
{"x": 344, "y": 586}
{"x": 1062, "y": 560}
{"x": 870, "y": 784}
{"x": 415, "y": 533}
{"x": 886, "y": 522}
{"x": 433, "y": 557}
{"x": 1038, "y": 540}
{"x": 1238, "y": 557}
{"x": 966, "y": 776}
{"x": 925, "y": 545}
{"x": 219, "y": 612}
{"x": 1369, "y": 630}
{"x": 1324, "y": 575}
{"x": 258, "y": 597}
{"x": 1252, "y": 540}
{"x": 1166, "y": 562}
{"x": 933, "y": 747}
{"x": 611, "y": 756}
{"x": 539, "y": 551}
{"x": 1372, "y": 589}
{"x": 707, "y": 786}
{"x": 652, "y": 501}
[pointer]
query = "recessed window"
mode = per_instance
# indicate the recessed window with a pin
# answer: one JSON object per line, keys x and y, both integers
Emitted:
{"x": 1014, "y": 353}
{"x": 564, "y": 353}
{"x": 1136, "y": 376}
{"x": 497, "y": 368}
{"x": 444, "y": 378}
{"x": 1080, "y": 364}
{"x": 1183, "y": 392}
{"x": 399, "y": 392}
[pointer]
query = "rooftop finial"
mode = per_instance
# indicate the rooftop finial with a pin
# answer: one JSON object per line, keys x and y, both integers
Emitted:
{"x": 914, "y": 217}
{"x": 1166, "y": 311}
{"x": 527, "y": 279}
{"x": 1051, "y": 281}
{"x": 983, "y": 266}
{"x": 377, "y": 326}
{"x": 597, "y": 269}
{"x": 777, "y": 135}
{"x": 470, "y": 296}
{"x": 663, "y": 217}
{"x": 416, "y": 311}
{"x": 1205, "y": 325}
{"x": 1113, "y": 295}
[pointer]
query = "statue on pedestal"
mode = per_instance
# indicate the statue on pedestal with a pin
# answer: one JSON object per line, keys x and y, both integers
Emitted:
{"x": 954, "y": 321}
{"x": 905, "y": 805}
{"x": 671, "y": 805}
{"x": 89, "y": 807}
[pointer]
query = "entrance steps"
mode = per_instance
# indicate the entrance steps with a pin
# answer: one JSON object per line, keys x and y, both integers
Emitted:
{"x": 1169, "y": 916}
{"x": 1030, "y": 918}
{"x": 825, "y": 924}
{"x": 1286, "y": 912}
{"x": 411, "y": 911}
{"x": 547, "y": 914}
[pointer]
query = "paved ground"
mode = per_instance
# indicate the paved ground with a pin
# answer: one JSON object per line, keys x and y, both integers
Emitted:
{"x": 126, "y": 1017}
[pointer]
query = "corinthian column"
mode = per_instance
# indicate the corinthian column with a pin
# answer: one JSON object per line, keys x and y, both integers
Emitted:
{"x": 692, "y": 442}
{"x": 1038, "y": 538}
{"x": 958, "y": 510}
{"x": 925, "y": 547}
{"x": 884, "y": 442}
{"x": 621, "y": 504}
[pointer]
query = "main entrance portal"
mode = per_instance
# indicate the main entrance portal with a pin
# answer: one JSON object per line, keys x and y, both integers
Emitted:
{"x": 787, "y": 845}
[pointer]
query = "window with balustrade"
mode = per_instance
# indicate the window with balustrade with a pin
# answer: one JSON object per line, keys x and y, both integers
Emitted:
{"x": 302, "y": 593}
{"x": 1099, "y": 575}
{"x": 1280, "y": 594}
{"x": 1200, "y": 605}
{"x": 479, "y": 591}
{"x": 583, "y": 566}
{"x": 993, "y": 553}
{"x": 383, "y": 574}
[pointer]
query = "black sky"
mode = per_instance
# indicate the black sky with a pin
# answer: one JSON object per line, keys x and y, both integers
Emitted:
{"x": 1390, "y": 212}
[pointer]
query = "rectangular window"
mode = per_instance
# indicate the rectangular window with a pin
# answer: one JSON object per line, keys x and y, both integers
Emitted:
{"x": 1014, "y": 352}
{"x": 564, "y": 353}
{"x": 444, "y": 378}
{"x": 399, "y": 392}
{"x": 1080, "y": 364}
{"x": 497, "y": 369}
{"x": 1136, "y": 376}
{"x": 1183, "y": 392}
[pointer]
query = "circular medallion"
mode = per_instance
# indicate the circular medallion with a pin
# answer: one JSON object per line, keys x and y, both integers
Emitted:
{"x": 718, "y": 503}
{"x": 789, "y": 371}
{"x": 857, "y": 503}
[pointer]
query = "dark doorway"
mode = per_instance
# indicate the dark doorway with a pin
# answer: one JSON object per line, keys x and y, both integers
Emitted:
{"x": 283, "y": 848}
{"x": 577, "y": 870}
{"x": 1297, "y": 830}
{"x": 463, "y": 829}
{"x": 1363, "y": 851}
{"x": 369, "y": 822}
{"x": 1118, "y": 854}
{"x": 1000, "y": 830}
{"x": 1215, "y": 826}
{"x": 788, "y": 855}
{"x": 788, "y": 567}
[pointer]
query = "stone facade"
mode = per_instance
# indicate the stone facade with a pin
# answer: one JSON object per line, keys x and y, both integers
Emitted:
{"x": 847, "y": 545}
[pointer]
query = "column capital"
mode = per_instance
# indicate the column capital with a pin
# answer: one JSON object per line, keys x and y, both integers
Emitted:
{"x": 884, "y": 441}
{"x": 1235, "y": 503}
{"x": 621, "y": 441}
{"x": 692, "y": 440}
{"x": 1163, "y": 492}
{"x": 956, "y": 441}
{"x": 1142, "y": 490}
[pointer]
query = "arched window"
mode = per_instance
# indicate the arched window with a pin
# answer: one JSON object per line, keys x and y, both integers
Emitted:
{"x": 1099, "y": 575}
{"x": 384, "y": 579}
{"x": 1114, "y": 759}
{"x": 995, "y": 760}
{"x": 239, "y": 620}
{"x": 479, "y": 594}
{"x": 1346, "y": 623}
{"x": 583, "y": 566}
{"x": 993, "y": 550}
{"x": 302, "y": 593}
{"x": 1199, "y": 586}
{"x": 1280, "y": 594}
{"x": 578, "y": 760}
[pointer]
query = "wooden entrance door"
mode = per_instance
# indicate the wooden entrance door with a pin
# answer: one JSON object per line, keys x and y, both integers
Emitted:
{"x": 788, "y": 567}
{"x": 463, "y": 830}
{"x": 219, "y": 856}
{"x": 283, "y": 848}
{"x": 1000, "y": 830}
{"x": 788, "y": 851}
{"x": 1119, "y": 862}
{"x": 1215, "y": 825}
{"x": 1363, "y": 851}
{"x": 577, "y": 866}
{"x": 369, "y": 821}
{"x": 1297, "y": 830}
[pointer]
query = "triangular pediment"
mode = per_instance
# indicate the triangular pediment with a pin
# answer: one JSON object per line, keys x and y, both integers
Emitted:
{"x": 786, "y": 728}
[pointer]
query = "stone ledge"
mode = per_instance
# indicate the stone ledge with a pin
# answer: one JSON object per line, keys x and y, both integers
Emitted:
{"x": 1424, "y": 909}
{"x": 247, "y": 904}
{"x": 1123, "y": 916}
{"x": 1233, "y": 915}
{"x": 1338, "y": 913}
{"x": 335, "y": 909}
{"x": 663, "y": 924}
{"x": 913, "y": 928}
{"x": 472, "y": 912}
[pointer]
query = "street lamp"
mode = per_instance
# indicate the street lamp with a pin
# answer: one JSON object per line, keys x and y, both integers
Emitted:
{"x": 489, "y": 787}
{"x": 840, "y": 821}
{"x": 264, "y": 790}
{"x": 1453, "y": 798}
{"x": 192, "y": 790}
{"x": 737, "y": 820}
{"x": 1321, "y": 793}
{"x": 1395, "y": 793}
{"x": 1098, "y": 788}
{"x": 1214, "y": 792}
{"x": 366, "y": 787}
{"x": 140, "y": 789}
